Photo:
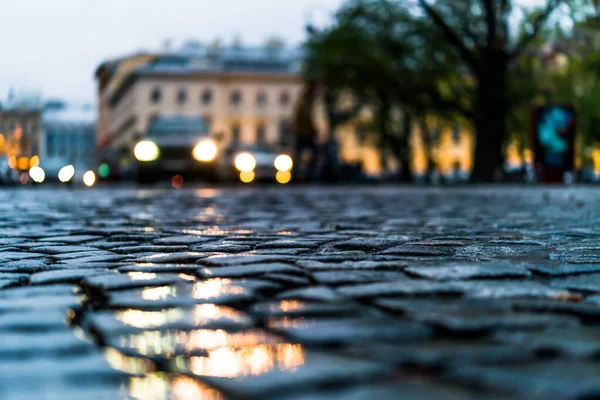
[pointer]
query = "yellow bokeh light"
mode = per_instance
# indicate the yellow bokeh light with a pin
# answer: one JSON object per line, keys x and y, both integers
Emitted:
{"x": 34, "y": 162}
{"x": 283, "y": 177}
{"x": 247, "y": 176}
{"x": 23, "y": 163}
{"x": 12, "y": 162}
{"x": 205, "y": 151}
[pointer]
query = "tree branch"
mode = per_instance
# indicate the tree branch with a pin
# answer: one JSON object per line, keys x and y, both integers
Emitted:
{"x": 537, "y": 25}
{"x": 450, "y": 35}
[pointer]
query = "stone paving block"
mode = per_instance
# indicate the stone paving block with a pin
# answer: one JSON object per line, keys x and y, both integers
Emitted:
{"x": 60, "y": 249}
{"x": 182, "y": 240}
{"x": 287, "y": 279}
{"x": 341, "y": 331}
{"x": 550, "y": 269}
{"x": 405, "y": 287}
{"x": 297, "y": 308}
{"x": 72, "y": 239}
{"x": 58, "y": 290}
{"x": 542, "y": 380}
{"x": 249, "y": 270}
{"x": 27, "y": 266}
{"x": 132, "y": 249}
{"x": 420, "y": 251}
{"x": 229, "y": 261}
{"x": 371, "y": 244}
{"x": 112, "y": 281}
{"x": 95, "y": 259}
{"x": 304, "y": 372}
{"x": 18, "y": 304}
{"x": 34, "y": 320}
{"x": 86, "y": 255}
{"x": 71, "y": 275}
{"x": 344, "y": 277}
{"x": 579, "y": 283}
{"x": 159, "y": 268}
{"x": 313, "y": 265}
{"x": 408, "y": 390}
{"x": 313, "y": 293}
{"x": 578, "y": 342}
{"x": 444, "y": 354}
{"x": 221, "y": 248}
{"x": 484, "y": 270}
{"x": 171, "y": 258}
{"x": 57, "y": 343}
{"x": 483, "y": 321}
{"x": 511, "y": 289}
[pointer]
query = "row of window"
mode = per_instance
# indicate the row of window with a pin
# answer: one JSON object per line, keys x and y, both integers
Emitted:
{"x": 206, "y": 97}
{"x": 261, "y": 130}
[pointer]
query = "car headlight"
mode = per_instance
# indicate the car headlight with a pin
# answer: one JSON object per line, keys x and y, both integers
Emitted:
{"x": 283, "y": 162}
{"x": 66, "y": 173}
{"x": 146, "y": 151}
{"x": 206, "y": 150}
{"x": 245, "y": 162}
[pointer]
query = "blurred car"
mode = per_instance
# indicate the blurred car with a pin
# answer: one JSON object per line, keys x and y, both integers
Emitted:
{"x": 254, "y": 163}
{"x": 175, "y": 145}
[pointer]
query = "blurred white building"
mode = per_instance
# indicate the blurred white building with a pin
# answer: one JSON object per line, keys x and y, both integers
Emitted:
{"x": 68, "y": 136}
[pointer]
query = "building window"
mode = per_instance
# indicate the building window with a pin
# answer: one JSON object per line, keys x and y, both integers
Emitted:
{"x": 260, "y": 133}
{"x": 284, "y": 132}
{"x": 236, "y": 98}
{"x": 235, "y": 134}
{"x": 261, "y": 99}
{"x": 206, "y": 97}
{"x": 50, "y": 145}
{"x": 284, "y": 98}
{"x": 181, "y": 96}
{"x": 155, "y": 96}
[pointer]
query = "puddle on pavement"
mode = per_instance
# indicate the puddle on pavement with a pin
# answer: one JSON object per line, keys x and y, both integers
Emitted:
{"x": 162, "y": 386}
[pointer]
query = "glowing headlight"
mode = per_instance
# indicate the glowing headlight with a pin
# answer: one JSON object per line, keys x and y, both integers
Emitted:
{"x": 283, "y": 162}
{"x": 245, "y": 162}
{"x": 146, "y": 151}
{"x": 206, "y": 150}
{"x": 66, "y": 173}
{"x": 37, "y": 174}
{"x": 89, "y": 178}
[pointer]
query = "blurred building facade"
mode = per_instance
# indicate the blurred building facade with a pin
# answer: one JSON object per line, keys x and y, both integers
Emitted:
{"x": 68, "y": 135}
{"x": 20, "y": 127}
{"x": 246, "y": 94}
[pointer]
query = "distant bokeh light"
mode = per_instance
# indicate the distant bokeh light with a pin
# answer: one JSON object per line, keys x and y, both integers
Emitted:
{"x": 89, "y": 178}
{"x": 283, "y": 177}
{"x": 66, "y": 173}
{"x": 177, "y": 181}
{"x": 34, "y": 162}
{"x": 247, "y": 176}
{"x": 103, "y": 170}
{"x": 37, "y": 174}
{"x": 23, "y": 163}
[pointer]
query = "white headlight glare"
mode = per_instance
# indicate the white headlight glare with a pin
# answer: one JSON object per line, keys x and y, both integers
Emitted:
{"x": 205, "y": 151}
{"x": 245, "y": 162}
{"x": 283, "y": 162}
{"x": 66, "y": 173}
{"x": 146, "y": 151}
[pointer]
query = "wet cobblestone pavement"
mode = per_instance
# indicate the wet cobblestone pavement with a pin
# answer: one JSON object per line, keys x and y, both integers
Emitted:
{"x": 300, "y": 293}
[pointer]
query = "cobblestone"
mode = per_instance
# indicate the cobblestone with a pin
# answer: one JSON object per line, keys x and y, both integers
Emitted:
{"x": 300, "y": 293}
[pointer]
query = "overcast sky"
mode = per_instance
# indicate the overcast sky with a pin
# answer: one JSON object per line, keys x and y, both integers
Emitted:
{"x": 53, "y": 46}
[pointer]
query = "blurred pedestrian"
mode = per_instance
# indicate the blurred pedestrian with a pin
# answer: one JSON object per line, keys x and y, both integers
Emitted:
{"x": 304, "y": 130}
